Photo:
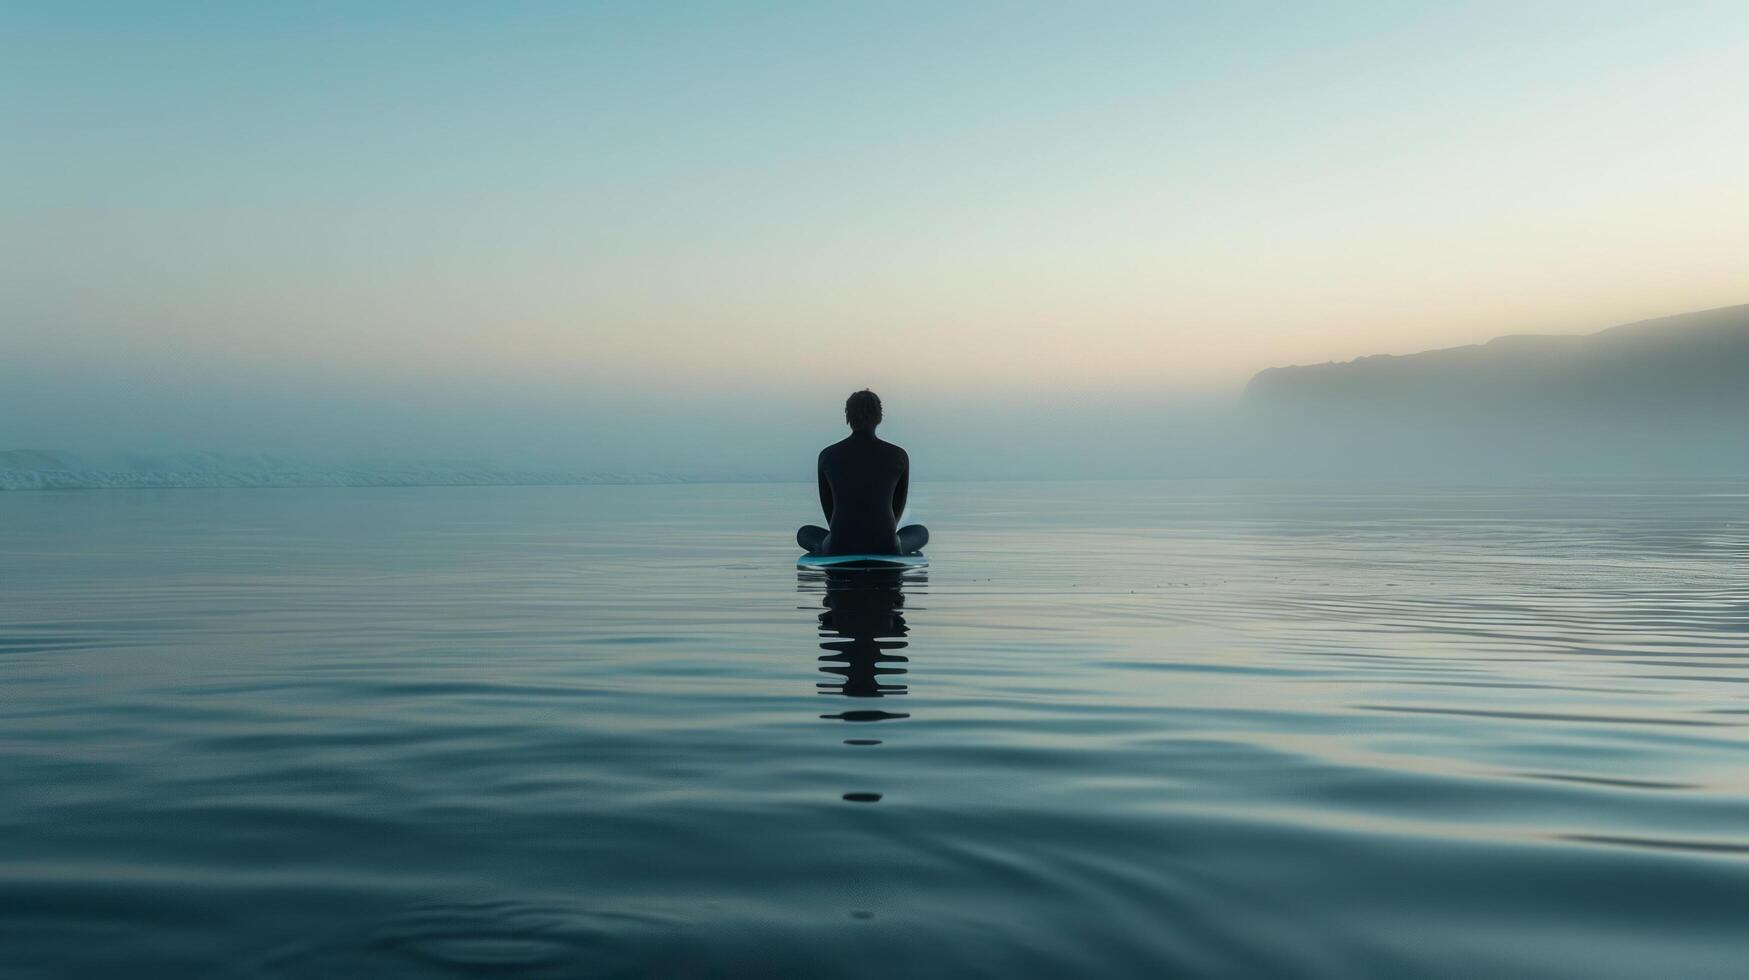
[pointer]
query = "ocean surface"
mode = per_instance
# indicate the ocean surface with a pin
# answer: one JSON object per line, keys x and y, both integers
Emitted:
{"x": 1242, "y": 729}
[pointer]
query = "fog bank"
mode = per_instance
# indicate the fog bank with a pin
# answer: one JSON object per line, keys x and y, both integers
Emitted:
{"x": 1668, "y": 396}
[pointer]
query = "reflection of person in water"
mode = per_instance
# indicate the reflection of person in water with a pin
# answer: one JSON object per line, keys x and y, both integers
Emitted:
{"x": 861, "y": 627}
{"x": 863, "y": 483}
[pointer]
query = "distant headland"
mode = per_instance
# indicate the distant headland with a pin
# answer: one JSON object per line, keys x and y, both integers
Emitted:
{"x": 1671, "y": 363}
{"x": 1669, "y": 395}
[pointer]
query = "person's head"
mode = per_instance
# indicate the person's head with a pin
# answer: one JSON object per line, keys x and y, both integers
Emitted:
{"x": 862, "y": 411}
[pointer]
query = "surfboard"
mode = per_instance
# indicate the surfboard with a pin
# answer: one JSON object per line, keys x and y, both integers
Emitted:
{"x": 851, "y": 563}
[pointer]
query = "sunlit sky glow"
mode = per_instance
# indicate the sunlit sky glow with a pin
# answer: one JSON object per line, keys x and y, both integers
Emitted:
{"x": 948, "y": 196}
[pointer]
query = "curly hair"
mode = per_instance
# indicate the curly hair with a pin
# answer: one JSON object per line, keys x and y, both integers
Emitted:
{"x": 862, "y": 410}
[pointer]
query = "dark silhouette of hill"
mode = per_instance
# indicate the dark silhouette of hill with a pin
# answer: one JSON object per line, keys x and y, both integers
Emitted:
{"x": 1664, "y": 395}
{"x": 1671, "y": 363}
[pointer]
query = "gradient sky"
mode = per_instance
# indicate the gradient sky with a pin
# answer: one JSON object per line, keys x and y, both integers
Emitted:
{"x": 725, "y": 199}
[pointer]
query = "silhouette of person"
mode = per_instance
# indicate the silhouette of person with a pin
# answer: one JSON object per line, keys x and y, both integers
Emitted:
{"x": 863, "y": 483}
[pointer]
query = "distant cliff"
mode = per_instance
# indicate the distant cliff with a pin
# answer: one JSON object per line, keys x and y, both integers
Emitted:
{"x": 1673, "y": 365}
{"x": 1660, "y": 396}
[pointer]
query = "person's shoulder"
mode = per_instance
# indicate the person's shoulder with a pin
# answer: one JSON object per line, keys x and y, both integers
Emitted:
{"x": 897, "y": 452}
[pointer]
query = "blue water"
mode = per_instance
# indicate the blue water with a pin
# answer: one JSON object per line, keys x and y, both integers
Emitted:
{"x": 1122, "y": 729}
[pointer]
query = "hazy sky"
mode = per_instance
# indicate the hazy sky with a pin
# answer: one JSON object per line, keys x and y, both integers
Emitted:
{"x": 722, "y": 200}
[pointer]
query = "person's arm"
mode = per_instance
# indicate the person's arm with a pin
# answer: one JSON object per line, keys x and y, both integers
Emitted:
{"x": 902, "y": 490}
{"x": 825, "y": 489}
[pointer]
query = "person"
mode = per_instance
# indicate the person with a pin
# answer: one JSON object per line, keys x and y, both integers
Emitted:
{"x": 863, "y": 483}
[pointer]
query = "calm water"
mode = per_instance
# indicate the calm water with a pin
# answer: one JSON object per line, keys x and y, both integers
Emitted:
{"x": 1121, "y": 729}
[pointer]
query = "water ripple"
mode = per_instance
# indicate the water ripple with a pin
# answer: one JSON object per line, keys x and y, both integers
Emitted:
{"x": 1148, "y": 729}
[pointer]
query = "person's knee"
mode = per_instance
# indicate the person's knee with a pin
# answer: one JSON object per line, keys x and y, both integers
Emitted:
{"x": 913, "y": 537}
